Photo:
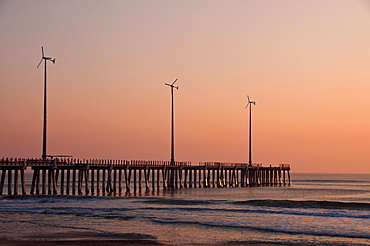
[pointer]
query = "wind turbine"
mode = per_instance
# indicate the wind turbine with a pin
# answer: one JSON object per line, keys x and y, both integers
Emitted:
{"x": 250, "y": 128}
{"x": 172, "y": 123}
{"x": 45, "y": 59}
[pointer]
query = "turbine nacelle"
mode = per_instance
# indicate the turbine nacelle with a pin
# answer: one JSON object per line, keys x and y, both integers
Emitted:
{"x": 45, "y": 58}
{"x": 50, "y": 59}
{"x": 250, "y": 102}
{"x": 172, "y": 85}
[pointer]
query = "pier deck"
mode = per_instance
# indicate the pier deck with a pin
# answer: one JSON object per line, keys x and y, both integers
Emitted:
{"x": 96, "y": 176}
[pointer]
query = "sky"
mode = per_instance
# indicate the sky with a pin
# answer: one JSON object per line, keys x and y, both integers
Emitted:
{"x": 305, "y": 63}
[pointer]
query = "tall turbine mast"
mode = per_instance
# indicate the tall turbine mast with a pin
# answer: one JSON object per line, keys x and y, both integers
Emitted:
{"x": 250, "y": 128}
{"x": 172, "y": 123}
{"x": 45, "y": 59}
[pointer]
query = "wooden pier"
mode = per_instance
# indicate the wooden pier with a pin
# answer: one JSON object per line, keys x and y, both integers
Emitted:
{"x": 111, "y": 177}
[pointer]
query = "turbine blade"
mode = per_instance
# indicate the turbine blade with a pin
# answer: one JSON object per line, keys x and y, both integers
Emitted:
{"x": 247, "y": 105}
{"x": 248, "y": 99}
{"x": 174, "y": 82}
{"x": 42, "y": 50}
{"x": 39, "y": 63}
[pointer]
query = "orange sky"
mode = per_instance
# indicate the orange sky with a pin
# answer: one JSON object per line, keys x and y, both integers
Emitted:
{"x": 305, "y": 63}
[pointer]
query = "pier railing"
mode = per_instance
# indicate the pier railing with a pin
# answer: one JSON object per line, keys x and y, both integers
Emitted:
{"x": 91, "y": 162}
{"x": 234, "y": 164}
{"x": 222, "y": 164}
{"x": 284, "y": 165}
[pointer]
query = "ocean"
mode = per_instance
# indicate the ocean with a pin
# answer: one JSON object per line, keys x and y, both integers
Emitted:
{"x": 318, "y": 209}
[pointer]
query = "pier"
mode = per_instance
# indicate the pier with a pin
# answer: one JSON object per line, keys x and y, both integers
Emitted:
{"x": 65, "y": 176}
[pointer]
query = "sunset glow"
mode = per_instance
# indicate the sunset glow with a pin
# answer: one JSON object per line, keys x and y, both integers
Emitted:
{"x": 305, "y": 63}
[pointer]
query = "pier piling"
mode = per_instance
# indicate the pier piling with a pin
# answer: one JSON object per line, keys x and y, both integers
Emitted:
{"x": 105, "y": 176}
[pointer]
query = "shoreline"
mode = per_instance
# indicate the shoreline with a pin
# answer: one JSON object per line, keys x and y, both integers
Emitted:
{"x": 96, "y": 239}
{"x": 86, "y": 239}
{"x": 129, "y": 242}
{"x": 92, "y": 242}
{"x": 73, "y": 238}
{"x": 114, "y": 241}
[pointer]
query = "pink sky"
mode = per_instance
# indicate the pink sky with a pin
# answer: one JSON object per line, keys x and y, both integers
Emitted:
{"x": 305, "y": 63}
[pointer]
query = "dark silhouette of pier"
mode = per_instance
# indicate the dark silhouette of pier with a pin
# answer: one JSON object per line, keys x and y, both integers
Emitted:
{"x": 67, "y": 176}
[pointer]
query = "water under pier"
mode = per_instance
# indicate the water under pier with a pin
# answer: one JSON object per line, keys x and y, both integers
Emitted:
{"x": 110, "y": 177}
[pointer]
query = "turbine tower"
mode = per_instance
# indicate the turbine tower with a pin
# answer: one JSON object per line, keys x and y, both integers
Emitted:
{"x": 45, "y": 59}
{"x": 250, "y": 128}
{"x": 172, "y": 123}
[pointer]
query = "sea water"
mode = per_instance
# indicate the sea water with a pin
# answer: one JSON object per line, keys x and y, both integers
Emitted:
{"x": 330, "y": 209}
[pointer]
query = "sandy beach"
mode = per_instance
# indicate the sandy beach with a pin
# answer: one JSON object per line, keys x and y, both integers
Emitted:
{"x": 111, "y": 242}
{"x": 77, "y": 239}
{"x": 115, "y": 242}
{"x": 81, "y": 239}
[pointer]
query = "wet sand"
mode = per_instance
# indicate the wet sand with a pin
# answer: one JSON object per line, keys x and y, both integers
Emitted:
{"x": 81, "y": 239}
{"x": 115, "y": 242}
{"x": 118, "y": 242}
{"x": 112, "y": 242}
